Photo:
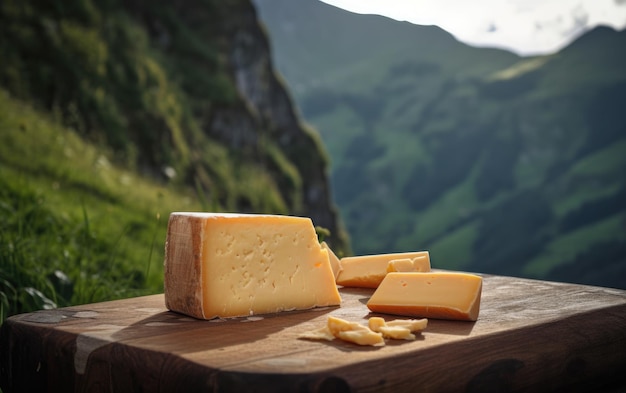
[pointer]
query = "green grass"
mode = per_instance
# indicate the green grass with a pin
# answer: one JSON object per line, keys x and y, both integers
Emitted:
{"x": 75, "y": 228}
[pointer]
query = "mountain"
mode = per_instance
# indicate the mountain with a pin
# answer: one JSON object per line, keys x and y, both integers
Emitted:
{"x": 493, "y": 162}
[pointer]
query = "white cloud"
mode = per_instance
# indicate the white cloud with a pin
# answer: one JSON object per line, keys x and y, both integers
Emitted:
{"x": 523, "y": 26}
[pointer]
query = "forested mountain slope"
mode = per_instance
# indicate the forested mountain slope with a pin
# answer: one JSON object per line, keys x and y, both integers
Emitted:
{"x": 493, "y": 162}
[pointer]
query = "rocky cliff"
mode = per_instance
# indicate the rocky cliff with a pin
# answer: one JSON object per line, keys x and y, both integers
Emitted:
{"x": 271, "y": 107}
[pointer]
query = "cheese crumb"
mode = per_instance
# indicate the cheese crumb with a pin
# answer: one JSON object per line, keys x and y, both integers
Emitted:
{"x": 398, "y": 329}
{"x": 374, "y": 334}
{"x": 354, "y": 332}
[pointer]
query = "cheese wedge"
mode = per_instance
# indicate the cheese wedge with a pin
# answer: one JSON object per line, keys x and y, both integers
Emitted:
{"x": 368, "y": 271}
{"x": 442, "y": 295}
{"x": 335, "y": 263}
{"x": 230, "y": 265}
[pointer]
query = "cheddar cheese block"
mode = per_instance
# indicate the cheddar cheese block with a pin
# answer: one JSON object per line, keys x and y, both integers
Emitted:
{"x": 442, "y": 295}
{"x": 368, "y": 271}
{"x": 230, "y": 265}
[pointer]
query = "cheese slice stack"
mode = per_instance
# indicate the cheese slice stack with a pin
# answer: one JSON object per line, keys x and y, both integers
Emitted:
{"x": 443, "y": 295}
{"x": 230, "y": 265}
{"x": 367, "y": 271}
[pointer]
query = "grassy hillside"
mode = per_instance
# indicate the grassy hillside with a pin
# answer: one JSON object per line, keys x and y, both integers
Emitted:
{"x": 75, "y": 227}
{"x": 493, "y": 162}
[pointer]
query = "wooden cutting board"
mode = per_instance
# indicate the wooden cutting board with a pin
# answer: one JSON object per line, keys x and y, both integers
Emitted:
{"x": 530, "y": 336}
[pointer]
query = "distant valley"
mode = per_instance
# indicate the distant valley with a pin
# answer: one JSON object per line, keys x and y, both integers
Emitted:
{"x": 492, "y": 162}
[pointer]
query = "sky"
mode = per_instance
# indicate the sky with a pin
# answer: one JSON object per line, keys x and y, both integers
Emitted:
{"x": 526, "y": 27}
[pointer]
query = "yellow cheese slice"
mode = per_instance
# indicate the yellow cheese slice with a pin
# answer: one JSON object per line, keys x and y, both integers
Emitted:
{"x": 230, "y": 265}
{"x": 335, "y": 263}
{"x": 368, "y": 271}
{"x": 443, "y": 295}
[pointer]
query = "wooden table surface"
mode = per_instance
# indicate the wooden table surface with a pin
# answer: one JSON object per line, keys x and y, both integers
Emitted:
{"x": 530, "y": 336}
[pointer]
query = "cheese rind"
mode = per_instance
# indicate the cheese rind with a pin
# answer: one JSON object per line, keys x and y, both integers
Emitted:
{"x": 368, "y": 271}
{"x": 230, "y": 265}
{"x": 439, "y": 295}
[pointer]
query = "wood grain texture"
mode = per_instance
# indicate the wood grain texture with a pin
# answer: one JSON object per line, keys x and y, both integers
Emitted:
{"x": 531, "y": 336}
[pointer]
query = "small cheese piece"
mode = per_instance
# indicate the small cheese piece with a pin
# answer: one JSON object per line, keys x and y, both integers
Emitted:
{"x": 336, "y": 325}
{"x": 231, "y": 265}
{"x": 397, "y": 329}
{"x": 354, "y": 332}
{"x": 378, "y": 325}
{"x": 375, "y": 323}
{"x": 362, "y": 337}
{"x": 368, "y": 271}
{"x": 443, "y": 295}
{"x": 335, "y": 263}
{"x": 347, "y": 331}
{"x": 373, "y": 334}
{"x": 397, "y": 332}
{"x": 414, "y": 325}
